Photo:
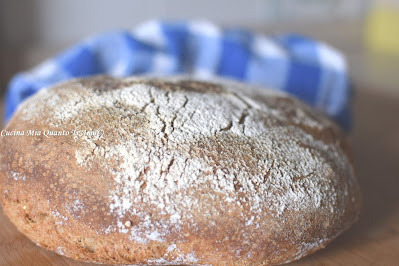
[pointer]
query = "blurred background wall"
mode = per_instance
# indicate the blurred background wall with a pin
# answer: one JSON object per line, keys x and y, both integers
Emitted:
{"x": 31, "y": 31}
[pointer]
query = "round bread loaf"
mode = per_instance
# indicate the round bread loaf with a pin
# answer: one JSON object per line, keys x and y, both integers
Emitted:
{"x": 175, "y": 171}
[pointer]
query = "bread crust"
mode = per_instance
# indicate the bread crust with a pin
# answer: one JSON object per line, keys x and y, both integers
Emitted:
{"x": 177, "y": 171}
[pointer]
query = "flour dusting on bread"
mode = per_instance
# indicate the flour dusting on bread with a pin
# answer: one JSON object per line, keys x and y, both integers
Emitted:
{"x": 179, "y": 157}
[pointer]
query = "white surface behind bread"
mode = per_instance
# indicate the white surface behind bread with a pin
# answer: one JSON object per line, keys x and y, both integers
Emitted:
{"x": 183, "y": 172}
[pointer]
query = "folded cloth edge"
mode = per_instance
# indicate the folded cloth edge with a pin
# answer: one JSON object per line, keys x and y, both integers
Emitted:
{"x": 311, "y": 70}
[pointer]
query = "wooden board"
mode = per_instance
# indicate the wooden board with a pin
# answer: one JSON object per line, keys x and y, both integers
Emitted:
{"x": 374, "y": 240}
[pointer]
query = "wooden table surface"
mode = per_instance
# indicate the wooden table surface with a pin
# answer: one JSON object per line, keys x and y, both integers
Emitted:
{"x": 374, "y": 240}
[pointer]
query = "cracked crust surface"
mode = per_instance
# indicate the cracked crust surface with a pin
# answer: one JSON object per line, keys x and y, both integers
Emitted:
{"x": 182, "y": 172}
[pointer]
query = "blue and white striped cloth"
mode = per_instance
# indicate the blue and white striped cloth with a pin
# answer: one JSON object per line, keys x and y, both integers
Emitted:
{"x": 310, "y": 70}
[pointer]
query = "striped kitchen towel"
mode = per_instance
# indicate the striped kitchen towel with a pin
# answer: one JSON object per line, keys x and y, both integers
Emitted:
{"x": 310, "y": 70}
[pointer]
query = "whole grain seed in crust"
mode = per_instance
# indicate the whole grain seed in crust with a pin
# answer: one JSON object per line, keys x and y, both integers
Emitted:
{"x": 184, "y": 172}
